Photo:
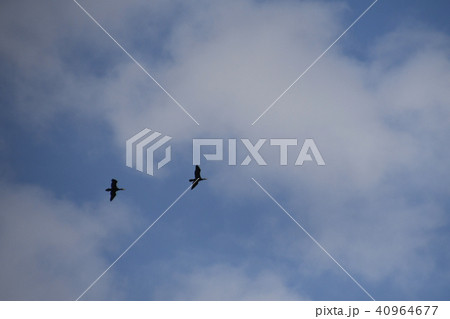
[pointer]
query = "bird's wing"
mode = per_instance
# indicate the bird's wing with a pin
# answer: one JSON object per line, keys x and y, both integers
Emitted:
{"x": 113, "y": 183}
{"x": 113, "y": 194}
{"x": 194, "y": 184}
{"x": 197, "y": 171}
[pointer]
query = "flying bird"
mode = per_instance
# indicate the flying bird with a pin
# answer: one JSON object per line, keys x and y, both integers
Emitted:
{"x": 113, "y": 189}
{"x": 197, "y": 178}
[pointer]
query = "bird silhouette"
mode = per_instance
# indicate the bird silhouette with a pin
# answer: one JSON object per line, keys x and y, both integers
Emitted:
{"x": 197, "y": 177}
{"x": 113, "y": 189}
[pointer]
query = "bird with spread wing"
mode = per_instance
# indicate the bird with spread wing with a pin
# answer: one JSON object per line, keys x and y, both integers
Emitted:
{"x": 197, "y": 178}
{"x": 113, "y": 190}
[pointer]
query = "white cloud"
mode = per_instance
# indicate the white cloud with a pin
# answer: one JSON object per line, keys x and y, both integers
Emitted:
{"x": 226, "y": 282}
{"x": 52, "y": 249}
{"x": 380, "y": 124}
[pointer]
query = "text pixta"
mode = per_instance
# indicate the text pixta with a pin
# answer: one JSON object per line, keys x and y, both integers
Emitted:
{"x": 337, "y": 311}
{"x": 253, "y": 150}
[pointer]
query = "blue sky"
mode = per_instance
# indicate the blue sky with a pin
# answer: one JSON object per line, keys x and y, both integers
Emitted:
{"x": 377, "y": 106}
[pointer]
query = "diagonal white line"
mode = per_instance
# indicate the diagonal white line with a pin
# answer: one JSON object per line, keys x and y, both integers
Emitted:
{"x": 314, "y": 62}
{"x": 133, "y": 243}
{"x": 313, "y": 239}
{"x": 137, "y": 63}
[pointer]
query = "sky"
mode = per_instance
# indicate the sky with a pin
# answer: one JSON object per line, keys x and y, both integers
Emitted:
{"x": 376, "y": 105}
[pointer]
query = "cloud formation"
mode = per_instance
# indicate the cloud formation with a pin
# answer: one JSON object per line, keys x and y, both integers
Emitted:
{"x": 52, "y": 249}
{"x": 380, "y": 120}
